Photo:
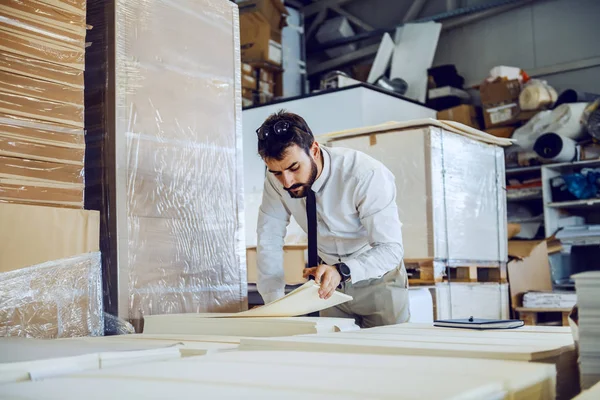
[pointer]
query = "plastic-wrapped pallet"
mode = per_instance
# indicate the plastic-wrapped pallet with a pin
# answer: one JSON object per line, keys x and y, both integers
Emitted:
{"x": 61, "y": 298}
{"x": 452, "y": 204}
{"x": 163, "y": 155}
{"x": 451, "y": 197}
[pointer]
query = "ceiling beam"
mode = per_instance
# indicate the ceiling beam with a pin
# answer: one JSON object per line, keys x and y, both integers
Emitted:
{"x": 469, "y": 19}
{"x": 316, "y": 23}
{"x": 343, "y": 60}
{"x": 414, "y": 10}
{"x": 352, "y": 18}
{"x": 451, "y": 5}
{"x": 451, "y": 23}
{"x": 318, "y": 6}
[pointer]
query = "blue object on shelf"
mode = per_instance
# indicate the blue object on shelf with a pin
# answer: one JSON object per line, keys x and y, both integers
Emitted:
{"x": 583, "y": 185}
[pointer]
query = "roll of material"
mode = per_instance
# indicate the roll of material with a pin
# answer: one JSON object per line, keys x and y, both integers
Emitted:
{"x": 537, "y": 95}
{"x": 526, "y": 135}
{"x": 553, "y": 147}
{"x": 566, "y": 121}
{"x": 591, "y": 118}
{"x": 573, "y": 96}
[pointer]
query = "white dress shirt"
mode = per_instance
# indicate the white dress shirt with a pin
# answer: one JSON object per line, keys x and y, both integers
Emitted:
{"x": 357, "y": 220}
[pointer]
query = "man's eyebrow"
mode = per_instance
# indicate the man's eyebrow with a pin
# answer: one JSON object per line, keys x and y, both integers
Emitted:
{"x": 290, "y": 167}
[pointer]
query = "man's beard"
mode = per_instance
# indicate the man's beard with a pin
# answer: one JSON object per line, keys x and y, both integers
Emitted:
{"x": 305, "y": 187}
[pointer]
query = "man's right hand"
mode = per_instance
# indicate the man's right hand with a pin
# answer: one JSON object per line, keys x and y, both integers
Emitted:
{"x": 325, "y": 275}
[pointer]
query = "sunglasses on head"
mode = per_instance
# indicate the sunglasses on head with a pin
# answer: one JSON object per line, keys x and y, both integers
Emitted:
{"x": 280, "y": 128}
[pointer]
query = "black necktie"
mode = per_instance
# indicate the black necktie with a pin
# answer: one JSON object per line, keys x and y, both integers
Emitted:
{"x": 311, "y": 215}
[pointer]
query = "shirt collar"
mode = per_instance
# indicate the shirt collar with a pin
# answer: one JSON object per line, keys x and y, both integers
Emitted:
{"x": 320, "y": 181}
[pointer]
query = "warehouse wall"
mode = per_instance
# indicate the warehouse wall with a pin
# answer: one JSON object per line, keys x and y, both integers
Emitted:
{"x": 547, "y": 33}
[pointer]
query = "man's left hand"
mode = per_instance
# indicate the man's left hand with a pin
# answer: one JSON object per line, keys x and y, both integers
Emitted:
{"x": 327, "y": 276}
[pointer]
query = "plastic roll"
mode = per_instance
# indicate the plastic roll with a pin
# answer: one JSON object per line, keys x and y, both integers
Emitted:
{"x": 566, "y": 121}
{"x": 537, "y": 95}
{"x": 573, "y": 96}
{"x": 551, "y": 146}
{"x": 591, "y": 118}
{"x": 526, "y": 135}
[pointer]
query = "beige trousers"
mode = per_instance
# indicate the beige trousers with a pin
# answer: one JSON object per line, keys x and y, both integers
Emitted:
{"x": 376, "y": 302}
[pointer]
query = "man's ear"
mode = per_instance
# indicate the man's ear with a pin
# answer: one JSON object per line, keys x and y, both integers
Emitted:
{"x": 315, "y": 150}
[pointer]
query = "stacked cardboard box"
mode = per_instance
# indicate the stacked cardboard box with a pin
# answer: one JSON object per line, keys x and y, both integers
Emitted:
{"x": 261, "y": 22}
{"x": 41, "y": 102}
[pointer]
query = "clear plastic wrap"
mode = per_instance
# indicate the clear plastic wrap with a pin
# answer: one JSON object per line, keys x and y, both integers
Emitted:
{"x": 42, "y": 145}
{"x": 451, "y": 196}
{"x": 163, "y": 122}
{"x": 48, "y": 31}
{"x": 41, "y": 163}
{"x": 61, "y": 298}
{"x": 452, "y": 204}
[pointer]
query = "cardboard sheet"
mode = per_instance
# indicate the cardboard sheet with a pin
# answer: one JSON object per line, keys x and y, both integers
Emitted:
{"x": 301, "y": 301}
{"x": 413, "y": 55}
{"x": 200, "y": 324}
{"x": 35, "y": 234}
{"x": 451, "y": 126}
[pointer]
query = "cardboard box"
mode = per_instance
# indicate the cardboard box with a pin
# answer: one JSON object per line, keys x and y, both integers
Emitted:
{"x": 273, "y": 11}
{"x": 34, "y": 234}
{"x": 528, "y": 270}
{"x": 257, "y": 41}
{"x": 500, "y": 102}
{"x": 503, "y": 132}
{"x": 501, "y": 116}
{"x": 248, "y": 82}
{"x": 247, "y": 94}
{"x": 267, "y": 87}
{"x": 19, "y": 191}
{"x": 465, "y": 114}
{"x": 39, "y": 89}
{"x": 40, "y": 109}
{"x": 39, "y": 69}
{"x": 500, "y": 93}
{"x": 13, "y": 147}
{"x": 41, "y": 171}
{"x": 294, "y": 262}
{"x": 266, "y": 75}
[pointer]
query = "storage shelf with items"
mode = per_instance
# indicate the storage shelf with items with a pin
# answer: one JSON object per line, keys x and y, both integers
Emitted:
{"x": 524, "y": 201}
{"x": 572, "y": 215}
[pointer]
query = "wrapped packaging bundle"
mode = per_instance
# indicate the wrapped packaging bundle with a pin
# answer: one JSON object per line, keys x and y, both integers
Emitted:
{"x": 60, "y": 298}
{"x": 163, "y": 155}
{"x": 42, "y": 143}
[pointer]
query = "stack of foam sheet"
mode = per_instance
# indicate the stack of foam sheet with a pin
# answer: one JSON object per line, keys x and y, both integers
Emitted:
{"x": 24, "y": 359}
{"x": 587, "y": 285}
{"x": 42, "y": 142}
{"x": 592, "y": 393}
{"x": 272, "y": 319}
{"x": 254, "y": 327}
{"x": 163, "y": 155}
{"x": 301, "y": 375}
{"x": 551, "y": 347}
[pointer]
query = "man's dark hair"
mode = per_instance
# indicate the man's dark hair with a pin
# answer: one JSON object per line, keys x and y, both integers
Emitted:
{"x": 274, "y": 146}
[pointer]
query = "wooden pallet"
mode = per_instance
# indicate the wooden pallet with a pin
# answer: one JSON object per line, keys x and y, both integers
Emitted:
{"x": 427, "y": 272}
{"x": 531, "y": 316}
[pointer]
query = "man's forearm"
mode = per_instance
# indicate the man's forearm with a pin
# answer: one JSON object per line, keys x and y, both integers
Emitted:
{"x": 375, "y": 262}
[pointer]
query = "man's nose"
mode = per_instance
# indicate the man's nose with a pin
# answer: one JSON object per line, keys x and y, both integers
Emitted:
{"x": 288, "y": 179}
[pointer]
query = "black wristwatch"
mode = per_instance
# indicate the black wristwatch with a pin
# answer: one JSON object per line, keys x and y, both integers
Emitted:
{"x": 344, "y": 271}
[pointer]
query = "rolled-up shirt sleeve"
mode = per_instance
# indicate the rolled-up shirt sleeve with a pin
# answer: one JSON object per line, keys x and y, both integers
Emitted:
{"x": 375, "y": 200}
{"x": 273, "y": 219}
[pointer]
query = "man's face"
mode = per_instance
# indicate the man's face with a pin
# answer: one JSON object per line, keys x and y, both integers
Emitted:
{"x": 297, "y": 171}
